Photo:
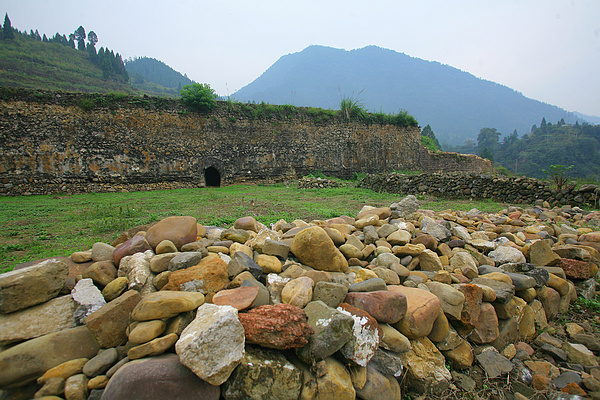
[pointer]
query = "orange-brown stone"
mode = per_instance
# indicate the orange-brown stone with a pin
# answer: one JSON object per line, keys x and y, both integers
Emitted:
{"x": 240, "y": 298}
{"x": 208, "y": 277}
{"x": 279, "y": 326}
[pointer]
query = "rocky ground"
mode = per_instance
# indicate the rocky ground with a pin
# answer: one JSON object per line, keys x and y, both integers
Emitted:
{"x": 395, "y": 302}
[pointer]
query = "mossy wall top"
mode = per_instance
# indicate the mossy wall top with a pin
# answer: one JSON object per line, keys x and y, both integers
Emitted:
{"x": 48, "y": 136}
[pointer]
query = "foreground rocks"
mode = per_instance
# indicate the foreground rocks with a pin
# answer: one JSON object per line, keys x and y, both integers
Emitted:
{"x": 394, "y": 299}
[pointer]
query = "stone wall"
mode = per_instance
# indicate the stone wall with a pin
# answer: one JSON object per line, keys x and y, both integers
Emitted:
{"x": 514, "y": 190}
{"x": 60, "y": 142}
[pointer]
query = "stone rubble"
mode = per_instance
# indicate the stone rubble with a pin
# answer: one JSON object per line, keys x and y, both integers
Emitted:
{"x": 393, "y": 299}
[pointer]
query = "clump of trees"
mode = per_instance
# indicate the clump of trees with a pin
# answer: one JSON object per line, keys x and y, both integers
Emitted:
{"x": 536, "y": 152}
{"x": 107, "y": 60}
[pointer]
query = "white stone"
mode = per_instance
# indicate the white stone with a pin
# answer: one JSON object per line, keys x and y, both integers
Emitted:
{"x": 364, "y": 342}
{"x": 52, "y": 316}
{"x": 137, "y": 269}
{"x": 506, "y": 254}
{"x": 212, "y": 345}
{"x": 88, "y": 296}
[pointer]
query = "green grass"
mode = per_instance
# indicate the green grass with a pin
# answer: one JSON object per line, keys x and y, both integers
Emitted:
{"x": 36, "y": 227}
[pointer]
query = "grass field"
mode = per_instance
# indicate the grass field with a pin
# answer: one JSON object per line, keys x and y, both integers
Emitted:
{"x": 35, "y": 227}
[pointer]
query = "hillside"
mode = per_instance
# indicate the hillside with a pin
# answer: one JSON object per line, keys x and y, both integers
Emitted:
{"x": 33, "y": 64}
{"x": 28, "y": 61}
{"x": 455, "y": 103}
{"x": 151, "y": 75}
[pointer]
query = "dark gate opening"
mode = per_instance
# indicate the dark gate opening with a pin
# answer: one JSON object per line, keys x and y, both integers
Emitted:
{"x": 212, "y": 177}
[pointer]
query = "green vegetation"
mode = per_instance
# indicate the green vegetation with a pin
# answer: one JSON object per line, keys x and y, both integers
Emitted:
{"x": 60, "y": 64}
{"x": 534, "y": 153}
{"x": 352, "y": 109}
{"x": 429, "y": 140}
{"x": 557, "y": 175}
{"x": 151, "y": 75}
{"x": 35, "y": 227}
{"x": 199, "y": 96}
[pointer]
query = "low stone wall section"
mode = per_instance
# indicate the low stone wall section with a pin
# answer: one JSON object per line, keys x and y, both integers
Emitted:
{"x": 515, "y": 190}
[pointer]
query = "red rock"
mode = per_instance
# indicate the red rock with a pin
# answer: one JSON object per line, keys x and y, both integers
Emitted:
{"x": 384, "y": 306}
{"x": 209, "y": 276}
{"x": 247, "y": 223}
{"x": 575, "y": 389}
{"x": 525, "y": 347}
{"x": 539, "y": 382}
{"x": 240, "y": 298}
{"x": 427, "y": 240}
{"x": 134, "y": 245}
{"x": 575, "y": 269}
{"x": 486, "y": 329}
{"x": 472, "y": 305}
{"x": 279, "y": 326}
{"x": 179, "y": 230}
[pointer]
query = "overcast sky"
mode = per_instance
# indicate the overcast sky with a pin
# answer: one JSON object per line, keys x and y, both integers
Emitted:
{"x": 547, "y": 49}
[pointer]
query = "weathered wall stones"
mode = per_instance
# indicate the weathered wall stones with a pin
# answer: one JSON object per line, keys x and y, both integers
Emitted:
{"x": 49, "y": 144}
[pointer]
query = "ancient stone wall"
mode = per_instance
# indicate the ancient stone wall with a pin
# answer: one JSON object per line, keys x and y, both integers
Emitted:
{"x": 58, "y": 142}
{"x": 477, "y": 186}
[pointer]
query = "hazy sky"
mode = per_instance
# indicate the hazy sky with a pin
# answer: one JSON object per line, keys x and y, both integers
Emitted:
{"x": 547, "y": 49}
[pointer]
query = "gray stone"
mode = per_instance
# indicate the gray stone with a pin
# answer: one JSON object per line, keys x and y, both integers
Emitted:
{"x": 493, "y": 363}
{"x": 451, "y": 299}
{"x": 565, "y": 378}
{"x": 185, "y": 260}
{"x": 387, "y": 362}
{"x": 102, "y": 252}
{"x": 27, "y": 361}
{"x": 48, "y": 317}
{"x": 276, "y": 248}
{"x": 101, "y": 362}
{"x": 504, "y": 291}
{"x": 370, "y": 285}
{"x": 436, "y": 230}
{"x": 212, "y": 345}
{"x": 262, "y": 298}
{"x": 158, "y": 378}
{"x": 332, "y": 330}
{"x": 521, "y": 281}
{"x": 405, "y": 207}
{"x": 241, "y": 262}
{"x": 32, "y": 285}
{"x": 330, "y": 293}
{"x": 371, "y": 235}
{"x": 279, "y": 379}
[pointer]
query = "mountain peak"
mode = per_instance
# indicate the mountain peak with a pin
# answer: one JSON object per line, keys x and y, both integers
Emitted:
{"x": 455, "y": 103}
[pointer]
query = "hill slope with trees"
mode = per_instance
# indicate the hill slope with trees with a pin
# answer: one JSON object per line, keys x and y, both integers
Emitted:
{"x": 544, "y": 146}
{"x": 152, "y": 75}
{"x": 454, "y": 103}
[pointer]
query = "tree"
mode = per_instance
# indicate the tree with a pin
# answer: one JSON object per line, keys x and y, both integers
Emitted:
{"x": 92, "y": 38}
{"x": 80, "y": 37}
{"x": 487, "y": 138}
{"x": 7, "y": 29}
{"x": 428, "y": 132}
{"x": 199, "y": 96}
{"x": 487, "y": 154}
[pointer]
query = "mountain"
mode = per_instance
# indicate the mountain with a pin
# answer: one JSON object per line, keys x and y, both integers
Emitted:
{"x": 150, "y": 74}
{"x": 454, "y": 103}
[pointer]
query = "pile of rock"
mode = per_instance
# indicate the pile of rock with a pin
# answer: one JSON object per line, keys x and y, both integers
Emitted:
{"x": 318, "y": 183}
{"x": 344, "y": 308}
{"x": 478, "y": 186}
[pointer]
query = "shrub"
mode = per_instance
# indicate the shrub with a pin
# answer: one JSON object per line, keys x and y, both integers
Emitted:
{"x": 199, "y": 96}
{"x": 352, "y": 109}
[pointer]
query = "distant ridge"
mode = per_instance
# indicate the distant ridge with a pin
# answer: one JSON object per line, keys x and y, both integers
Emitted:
{"x": 455, "y": 103}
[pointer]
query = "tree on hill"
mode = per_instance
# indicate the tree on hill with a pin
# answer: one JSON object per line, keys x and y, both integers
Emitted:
{"x": 428, "y": 132}
{"x": 80, "y": 37}
{"x": 7, "y": 29}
